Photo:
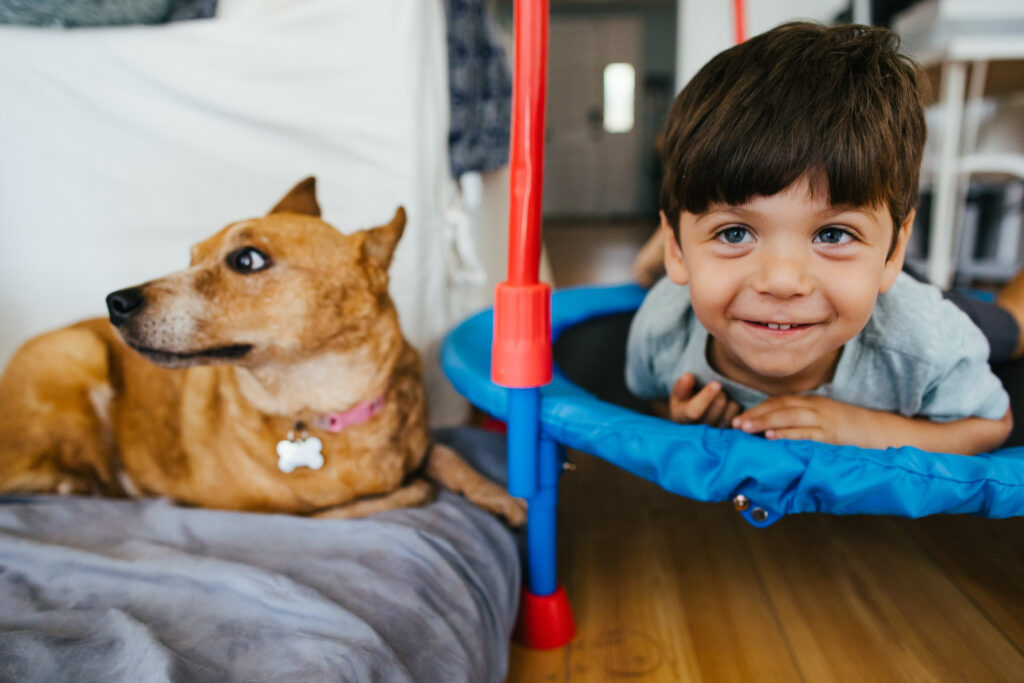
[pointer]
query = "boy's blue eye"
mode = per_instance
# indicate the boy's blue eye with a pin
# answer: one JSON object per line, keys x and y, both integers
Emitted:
{"x": 735, "y": 235}
{"x": 833, "y": 236}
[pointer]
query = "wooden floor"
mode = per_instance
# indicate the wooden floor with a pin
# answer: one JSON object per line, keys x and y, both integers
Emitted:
{"x": 667, "y": 589}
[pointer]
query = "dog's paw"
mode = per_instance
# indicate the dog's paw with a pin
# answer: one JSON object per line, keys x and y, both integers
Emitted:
{"x": 513, "y": 510}
{"x": 447, "y": 467}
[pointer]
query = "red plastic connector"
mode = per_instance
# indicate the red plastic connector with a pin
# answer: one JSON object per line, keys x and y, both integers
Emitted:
{"x": 521, "y": 354}
{"x": 545, "y": 621}
{"x": 493, "y": 424}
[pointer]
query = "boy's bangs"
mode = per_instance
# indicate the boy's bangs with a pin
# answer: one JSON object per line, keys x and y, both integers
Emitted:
{"x": 840, "y": 173}
{"x": 740, "y": 153}
{"x": 839, "y": 105}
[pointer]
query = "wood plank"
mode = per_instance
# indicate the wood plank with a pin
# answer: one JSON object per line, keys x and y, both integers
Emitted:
{"x": 540, "y": 666}
{"x": 861, "y": 600}
{"x": 617, "y": 580}
{"x": 985, "y": 557}
{"x": 658, "y": 590}
{"x": 728, "y": 613}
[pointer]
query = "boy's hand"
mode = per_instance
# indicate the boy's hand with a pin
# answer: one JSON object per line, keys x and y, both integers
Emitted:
{"x": 823, "y": 419}
{"x": 708, "y": 406}
{"x": 808, "y": 417}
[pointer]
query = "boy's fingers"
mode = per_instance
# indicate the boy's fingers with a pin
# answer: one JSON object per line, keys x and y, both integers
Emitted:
{"x": 713, "y": 415}
{"x": 766, "y": 407}
{"x": 782, "y": 418}
{"x": 660, "y": 409}
{"x": 683, "y": 386}
{"x": 770, "y": 405}
{"x": 693, "y": 410}
{"x": 731, "y": 411}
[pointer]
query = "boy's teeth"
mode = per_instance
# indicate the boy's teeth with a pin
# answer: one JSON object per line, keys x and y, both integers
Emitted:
{"x": 778, "y": 326}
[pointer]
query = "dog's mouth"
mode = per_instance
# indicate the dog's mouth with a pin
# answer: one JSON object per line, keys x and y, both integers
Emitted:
{"x": 162, "y": 357}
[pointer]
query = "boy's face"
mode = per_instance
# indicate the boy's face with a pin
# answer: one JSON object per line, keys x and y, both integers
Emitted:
{"x": 782, "y": 282}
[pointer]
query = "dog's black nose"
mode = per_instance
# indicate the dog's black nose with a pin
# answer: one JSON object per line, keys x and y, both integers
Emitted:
{"x": 125, "y": 303}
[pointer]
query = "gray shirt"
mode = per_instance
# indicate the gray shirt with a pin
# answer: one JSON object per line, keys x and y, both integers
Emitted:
{"x": 918, "y": 355}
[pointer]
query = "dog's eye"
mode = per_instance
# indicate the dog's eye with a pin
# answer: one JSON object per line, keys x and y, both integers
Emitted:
{"x": 248, "y": 260}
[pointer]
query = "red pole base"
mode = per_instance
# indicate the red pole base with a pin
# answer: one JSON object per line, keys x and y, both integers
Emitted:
{"x": 545, "y": 621}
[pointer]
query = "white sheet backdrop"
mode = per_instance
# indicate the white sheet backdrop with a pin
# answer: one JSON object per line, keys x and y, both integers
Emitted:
{"x": 121, "y": 147}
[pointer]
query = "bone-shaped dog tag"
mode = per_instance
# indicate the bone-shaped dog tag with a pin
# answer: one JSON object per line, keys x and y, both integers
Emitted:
{"x": 299, "y": 453}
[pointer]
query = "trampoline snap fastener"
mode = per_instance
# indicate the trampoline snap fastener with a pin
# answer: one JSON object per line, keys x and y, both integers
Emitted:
{"x": 759, "y": 514}
{"x": 741, "y": 502}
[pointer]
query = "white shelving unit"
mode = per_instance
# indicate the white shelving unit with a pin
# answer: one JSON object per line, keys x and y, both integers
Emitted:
{"x": 978, "y": 48}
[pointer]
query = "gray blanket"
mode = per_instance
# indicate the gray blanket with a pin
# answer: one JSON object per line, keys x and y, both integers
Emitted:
{"x": 107, "y": 590}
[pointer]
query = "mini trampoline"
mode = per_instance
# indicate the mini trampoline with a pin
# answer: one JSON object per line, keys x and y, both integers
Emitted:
{"x": 501, "y": 360}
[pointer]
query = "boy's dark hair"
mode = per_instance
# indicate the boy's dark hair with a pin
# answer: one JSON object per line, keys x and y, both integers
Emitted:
{"x": 839, "y": 103}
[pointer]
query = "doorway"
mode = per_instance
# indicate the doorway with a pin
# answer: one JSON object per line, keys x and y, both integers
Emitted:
{"x": 594, "y": 146}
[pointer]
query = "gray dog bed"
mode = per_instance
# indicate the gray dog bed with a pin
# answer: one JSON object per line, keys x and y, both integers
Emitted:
{"x": 113, "y": 590}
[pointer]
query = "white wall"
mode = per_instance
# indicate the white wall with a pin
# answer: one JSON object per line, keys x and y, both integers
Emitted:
{"x": 706, "y": 28}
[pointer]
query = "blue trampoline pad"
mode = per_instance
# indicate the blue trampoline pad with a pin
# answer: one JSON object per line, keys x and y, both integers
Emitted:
{"x": 709, "y": 464}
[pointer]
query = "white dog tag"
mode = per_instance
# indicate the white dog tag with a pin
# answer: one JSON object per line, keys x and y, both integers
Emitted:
{"x": 299, "y": 453}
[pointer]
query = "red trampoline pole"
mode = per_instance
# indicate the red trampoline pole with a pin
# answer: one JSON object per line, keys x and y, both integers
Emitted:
{"x": 527, "y": 151}
{"x": 739, "y": 17}
{"x": 521, "y": 356}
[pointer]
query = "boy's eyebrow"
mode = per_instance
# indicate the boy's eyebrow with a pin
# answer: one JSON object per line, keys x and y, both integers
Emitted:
{"x": 832, "y": 210}
{"x": 729, "y": 208}
{"x": 867, "y": 212}
{"x": 849, "y": 208}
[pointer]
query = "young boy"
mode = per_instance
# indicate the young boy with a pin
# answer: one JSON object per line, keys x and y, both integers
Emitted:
{"x": 791, "y": 174}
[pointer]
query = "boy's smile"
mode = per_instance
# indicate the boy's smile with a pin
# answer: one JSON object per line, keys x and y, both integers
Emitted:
{"x": 782, "y": 282}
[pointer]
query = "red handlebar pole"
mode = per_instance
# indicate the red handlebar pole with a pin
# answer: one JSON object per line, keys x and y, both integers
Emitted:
{"x": 739, "y": 17}
{"x": 527, "y": 164}
{"x": 521, "y": 356}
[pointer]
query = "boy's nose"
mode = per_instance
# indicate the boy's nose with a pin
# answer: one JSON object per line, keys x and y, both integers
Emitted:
{"x": 782, "y": 276}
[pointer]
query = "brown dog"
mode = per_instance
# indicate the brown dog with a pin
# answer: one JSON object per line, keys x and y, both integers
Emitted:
{"x": 271, "y": 375}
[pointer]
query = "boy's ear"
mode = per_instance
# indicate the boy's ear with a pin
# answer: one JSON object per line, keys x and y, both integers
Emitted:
{"x": 675, "y": 266}
{"x": 894, "y": 264}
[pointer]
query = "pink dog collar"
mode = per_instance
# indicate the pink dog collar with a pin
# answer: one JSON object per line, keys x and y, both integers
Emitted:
{"x": 361, "y": 412}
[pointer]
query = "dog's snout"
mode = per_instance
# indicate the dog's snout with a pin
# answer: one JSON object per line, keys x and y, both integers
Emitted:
{"x": 125, "y": 303}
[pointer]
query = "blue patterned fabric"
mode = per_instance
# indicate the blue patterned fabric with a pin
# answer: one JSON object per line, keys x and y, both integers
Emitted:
{"x": 186, "y": 10}
{"x": 75, "y": 13}
{"x": 480, "y": 83}
{"x": 779, "y": 477}
{"x": 72, "y": 13}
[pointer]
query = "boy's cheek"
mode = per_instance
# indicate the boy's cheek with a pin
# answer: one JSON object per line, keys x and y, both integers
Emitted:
{"x": 711, "y": 290}
{"x": 708, "y": 314}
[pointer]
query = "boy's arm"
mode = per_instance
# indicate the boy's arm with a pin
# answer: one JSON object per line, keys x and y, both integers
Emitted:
{"x": 823, "y": 419}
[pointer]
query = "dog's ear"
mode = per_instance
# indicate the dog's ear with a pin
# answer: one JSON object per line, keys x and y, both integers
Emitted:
{"x": 300, "y": 199}
{"x": 379, "y": 245}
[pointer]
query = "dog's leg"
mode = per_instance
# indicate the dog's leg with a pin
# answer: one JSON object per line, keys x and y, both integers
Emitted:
{"x": 419, "y": 492}
{"x": 55, "y": 416}
{"x": 448, "y": 469}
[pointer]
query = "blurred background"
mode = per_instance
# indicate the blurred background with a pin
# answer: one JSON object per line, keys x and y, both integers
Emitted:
{"x": 130, "y": 129}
